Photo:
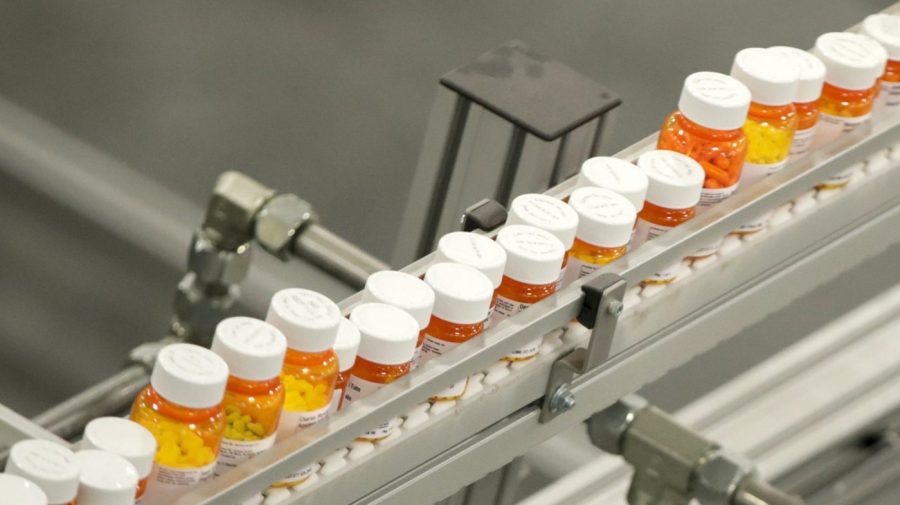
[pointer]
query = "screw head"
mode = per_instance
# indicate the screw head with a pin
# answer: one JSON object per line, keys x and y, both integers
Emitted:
{"x": 562, "y": 399}
{"x": 615, "y": 308}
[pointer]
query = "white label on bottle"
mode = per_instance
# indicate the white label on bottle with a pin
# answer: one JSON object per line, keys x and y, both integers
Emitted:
{"x": 751, "y": 174}
{"x": 578, "y": 269}
{"x": 561, "y": 278}
{"x": 647, "y": 231}
{"x": 432, "y": 348}
{"x": 508, "y": 308}
{"x": 290, "y": 422}
{"x": 888, "y": 99}
{"x": 335, "y": 401}
{"x": 295, "y": 478}
{"x": 360, "y": 388}
{"x": 802, "y": 141}
{"x": 167, "y": 483}
{"x": 708, "y": 198}
{"x": 234, "y": 452}
{"x": 830, "y": 128}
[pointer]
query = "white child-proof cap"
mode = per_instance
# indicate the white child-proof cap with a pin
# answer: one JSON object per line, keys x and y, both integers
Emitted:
{"x": 347, "y": 344}
{"x": 50, "y": 466}
{"x": 21, "y": 491}
{"x": 388, "y": 335}
{"x": 606, "y": 218}
{"x": 771, "y": 78}
{"x": 462, "y": 294}
{"x": 547, "y": 213}
{"x": 403, "y": 291}
{"x": 106, "y": 479}
{"x": 811, "y": 72}
{"x": 254, "y": 350}
{"x": 852, "y": 61}
{"x": 884, "y": 29}
{"x": 675, "y": 179}
{"x": 123, "y": 437}
{"x": 714, "y": 100}
{"x": 616, "y": 175}
{"x": 474, "y": 250}
{"x": 533, "y": 256}
{"x": 309, "y": 320}
{"x": 190, "y": 376}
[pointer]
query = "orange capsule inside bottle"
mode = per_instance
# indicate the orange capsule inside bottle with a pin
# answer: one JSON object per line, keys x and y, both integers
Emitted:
{"x": 675, "y": 184}
{"x": 182, "y": 409}
{"x": 309, "y": 322}
{"x": 406, "y": 292}
{"x": 533, "y": 257}
{"x": 387, "y": 345}
{"x": 605, "y": 223}
{"x": 477, "y": 251}
{"x": 853, "y": 65}
{"x": 707, "y": 128}
{"x": 462, "y": 302}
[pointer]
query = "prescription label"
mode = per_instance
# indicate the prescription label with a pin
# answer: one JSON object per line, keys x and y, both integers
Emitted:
{"x": 432, "y": 348}
{"x": 234, "y": 452}
{"x": 802, "y": 142}
{"x": 335, "y": 401}
{"x": 168, "y": 483}
{"x": 508, "y": 308}
{"x": 360, "y": 388}
{"x": 647, "y": 231}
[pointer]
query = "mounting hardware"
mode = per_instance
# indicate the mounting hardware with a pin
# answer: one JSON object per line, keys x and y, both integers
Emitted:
{"x": 600, "y": 311}
{"x": 487, "y": 215}
{"x": 562, "y": 399}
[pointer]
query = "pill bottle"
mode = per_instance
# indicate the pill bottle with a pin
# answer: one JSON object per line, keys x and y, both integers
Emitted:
{"x": 254, "y": 351}
{"x": 853, "y": 65}
{"x": 772, "y": 80}
{"x": 310, "y": 322}
{"x": 549, "y": 214}
{"x": 127, "y": 439}
{"x": 616, "y": 175}
{"x": 20, "y": 491}
{"x": 50, "y": 466}
{"x": 345, "y": 347}
{"x": 404, "y": 291}
{"x": 107, "y": 479}
{"x": 531, "y": 254}
{"x": 605, "y": 222}
{"x": 477, "y": 251}
{"x": 182, "y": 408}
{"x": 707, "y": 128}
{"x": 811, "y": 77}
{"x": 885, "y": 29}
{"x": 388, "y": 337}
{"x": 462, "y": 301}
{"x": 675, "y": 185}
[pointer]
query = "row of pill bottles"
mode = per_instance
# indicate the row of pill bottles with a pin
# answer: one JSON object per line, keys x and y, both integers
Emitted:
{"x": 885, "y": 29}
{"x": 406, "y": 292}
{"x": 478, "y": 252}
{"x": 88, "y": 477}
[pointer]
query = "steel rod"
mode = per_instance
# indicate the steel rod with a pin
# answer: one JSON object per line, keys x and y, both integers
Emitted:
{"x": 336, "y": 256}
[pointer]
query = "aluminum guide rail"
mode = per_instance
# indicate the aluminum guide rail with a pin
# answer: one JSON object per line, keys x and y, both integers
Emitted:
{"x": 320, "y": 441}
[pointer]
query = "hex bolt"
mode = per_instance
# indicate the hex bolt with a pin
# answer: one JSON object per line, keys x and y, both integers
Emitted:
{"x": 615, "y": 308}
{"x": 562, "y": 399}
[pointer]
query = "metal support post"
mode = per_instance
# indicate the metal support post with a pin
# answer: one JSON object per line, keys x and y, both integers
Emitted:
{"x": 600, "y": 312}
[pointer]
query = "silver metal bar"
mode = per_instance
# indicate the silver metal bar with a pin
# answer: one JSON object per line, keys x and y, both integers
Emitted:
{"x": 820, "y": 231}
{"x": 112, "y": 396}
{"x": 14, "y": 427}
{"x": 335, "y": 255}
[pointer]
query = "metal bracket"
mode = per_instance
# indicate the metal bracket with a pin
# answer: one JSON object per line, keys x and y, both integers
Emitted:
{"x": 599, "y": 312}
{"x": 487, "y": 215}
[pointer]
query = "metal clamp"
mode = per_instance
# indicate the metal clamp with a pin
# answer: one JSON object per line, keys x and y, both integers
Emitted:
{"x": 600, "y": 312}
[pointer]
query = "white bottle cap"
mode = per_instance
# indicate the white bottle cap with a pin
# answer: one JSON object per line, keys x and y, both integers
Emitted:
{"x": 462, "y": 295}
{"x": 884, "y": 29}
{"x": 811, "y": 70}
{"x": 852, "y": 61}
{"x": 675, "y": 179}
{"x": 123, "y": 437}
{"x": 49, "y": 465}
{"x": 307, "y": 319}
{"x": 346, "y": 345}
{"x": 616, "y": 175}
{"x": 714, "y": 100}
{"x": 388, "y": 335}
{"x": 403, "y": 291}
{"x": 771, "y": 78}
{"x": 254, "y": 350}
{"x": 20, "y": 491}
{"x": 190, "y": 376}
{"x": 475, "y": 250}
{"x": 533, "y": 256}
{"x": 106, "y": 479}
{"x": 547, "y": 213}
{"x": 606, "y": 218}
